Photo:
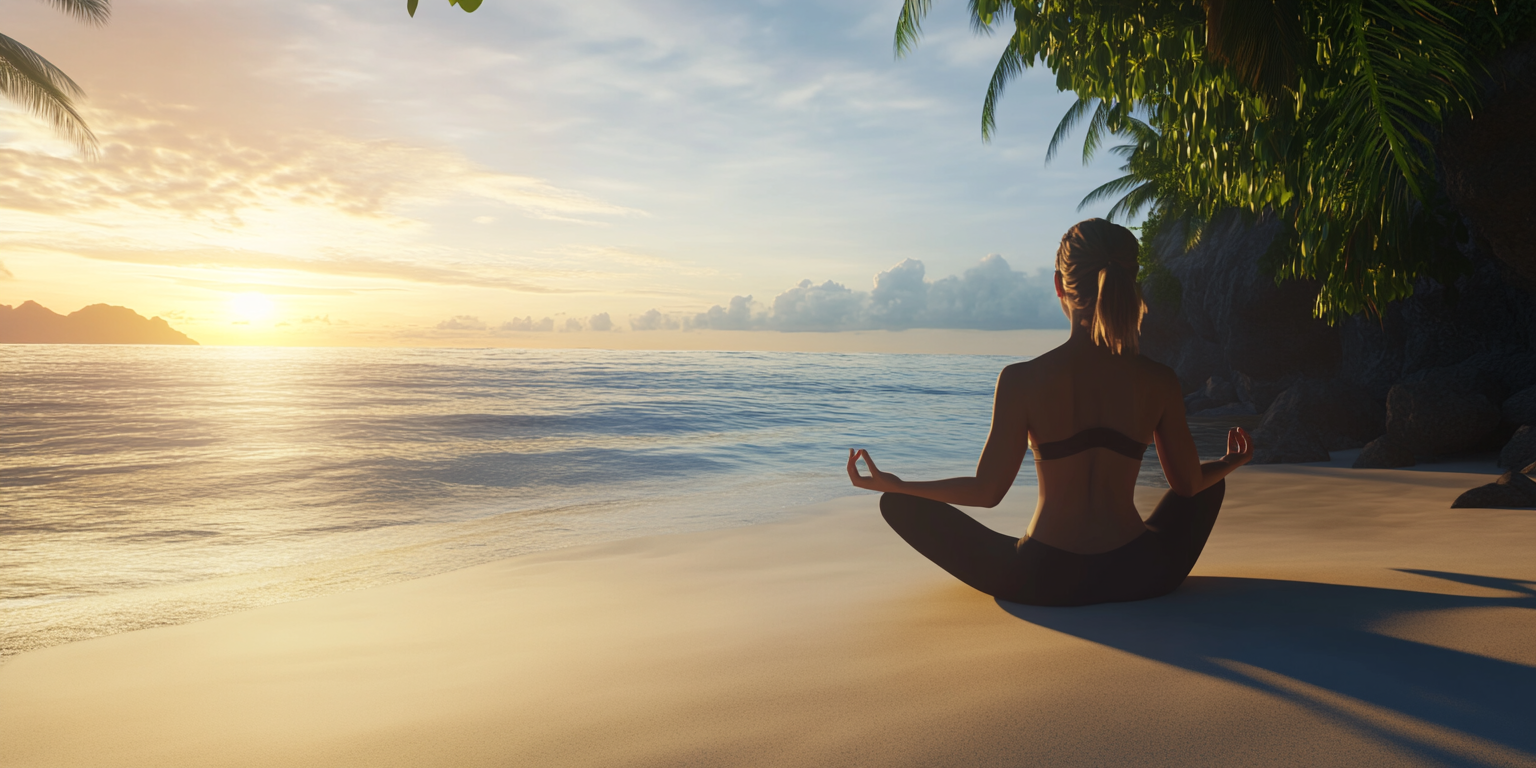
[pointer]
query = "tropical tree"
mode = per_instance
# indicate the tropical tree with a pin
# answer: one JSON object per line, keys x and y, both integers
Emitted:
{"x": 43, "y": 89}
{"x": 1323, "y": 113}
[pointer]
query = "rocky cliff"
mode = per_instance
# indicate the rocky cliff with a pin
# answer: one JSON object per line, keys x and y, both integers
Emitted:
{"x": 32, "y": 323}
{"x": 1442, "y": 373}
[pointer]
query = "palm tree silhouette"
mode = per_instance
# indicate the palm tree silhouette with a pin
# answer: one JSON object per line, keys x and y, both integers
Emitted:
{"x": 28, "y": 79}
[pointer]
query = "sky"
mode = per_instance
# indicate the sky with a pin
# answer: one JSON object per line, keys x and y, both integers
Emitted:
{"x": 615, "y": 173}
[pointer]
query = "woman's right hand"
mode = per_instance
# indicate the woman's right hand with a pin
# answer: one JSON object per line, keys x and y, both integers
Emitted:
{"x": 877, "y": 480}
{"x": 1239, "y": 447}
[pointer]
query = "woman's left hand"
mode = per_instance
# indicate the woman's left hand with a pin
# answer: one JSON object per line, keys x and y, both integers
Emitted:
{"x": 877, "y": 480}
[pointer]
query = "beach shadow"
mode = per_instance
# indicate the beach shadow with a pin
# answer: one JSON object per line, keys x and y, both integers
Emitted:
{"x": 1312, "y": 644}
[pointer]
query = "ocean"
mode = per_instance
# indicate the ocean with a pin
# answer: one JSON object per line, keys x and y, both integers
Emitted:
{"x": 144, "y": 485}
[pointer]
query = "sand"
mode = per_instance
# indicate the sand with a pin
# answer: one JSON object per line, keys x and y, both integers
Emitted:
{"x": 1338, "y": 617}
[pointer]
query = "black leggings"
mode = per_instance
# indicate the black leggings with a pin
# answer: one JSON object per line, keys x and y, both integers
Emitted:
{"x": 1030, "y": 572}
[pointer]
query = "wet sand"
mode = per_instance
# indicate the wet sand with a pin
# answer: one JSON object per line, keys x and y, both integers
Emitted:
{"x": 1338, "y": 617}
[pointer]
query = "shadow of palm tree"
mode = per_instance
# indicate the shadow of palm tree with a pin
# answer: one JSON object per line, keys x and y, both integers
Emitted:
{"x": 1313, "y": 644}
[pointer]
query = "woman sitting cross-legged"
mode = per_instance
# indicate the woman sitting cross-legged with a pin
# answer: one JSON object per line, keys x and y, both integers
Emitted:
{"x": 1088, "y": 409}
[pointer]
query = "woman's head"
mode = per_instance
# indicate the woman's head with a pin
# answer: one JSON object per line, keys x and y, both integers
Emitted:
{"x": 1097, "y": 266}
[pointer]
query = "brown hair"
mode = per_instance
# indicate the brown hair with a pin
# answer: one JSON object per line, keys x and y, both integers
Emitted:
{"x": 1097, "y": 262}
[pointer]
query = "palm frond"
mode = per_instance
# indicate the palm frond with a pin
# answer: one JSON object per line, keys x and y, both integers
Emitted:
{"x": 95, "y": 12}
{"x": 1069, "y": 121}
{"x": 45, "y": 91}
{"x": 1098, "y": 128}
{"x": 1110, "y": 189}
{"x": 985, "y": 13}
{"x": 1008, "y": 67}
{"x": 1136, "y": 201}
{"x": 909, "y": 25}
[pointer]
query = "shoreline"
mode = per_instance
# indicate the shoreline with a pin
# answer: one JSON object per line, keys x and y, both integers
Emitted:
{"x": 1337, "y": 617}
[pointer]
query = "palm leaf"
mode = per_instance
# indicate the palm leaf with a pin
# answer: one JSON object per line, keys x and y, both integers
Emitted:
{"x": 909, "y": 25}
{"x": 1069, "y": 121}
{"x": 45, "y": 91}
{"x": 95, "y": 12}
{"x": 1008, "y": 67}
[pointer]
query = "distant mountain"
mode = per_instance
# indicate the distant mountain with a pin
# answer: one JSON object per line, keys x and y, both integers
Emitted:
{"x": 33, "y": 323}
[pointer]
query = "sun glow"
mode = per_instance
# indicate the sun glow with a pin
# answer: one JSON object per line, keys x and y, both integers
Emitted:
{"x": 251, "y": 307}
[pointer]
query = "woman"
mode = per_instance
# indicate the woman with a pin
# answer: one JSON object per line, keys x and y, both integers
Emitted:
{"x": 1088, "y": 409}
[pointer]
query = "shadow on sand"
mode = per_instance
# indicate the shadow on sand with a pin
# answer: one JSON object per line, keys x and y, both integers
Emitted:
{"x": 1314, "y": 645}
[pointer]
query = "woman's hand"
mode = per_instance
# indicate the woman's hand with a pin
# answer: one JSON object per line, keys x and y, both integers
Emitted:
{"x": 1239, "y": 447}
{"x": 877, "y": 480}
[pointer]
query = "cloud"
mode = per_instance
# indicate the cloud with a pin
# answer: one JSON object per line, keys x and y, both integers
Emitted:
{"x": 279, "y": 290}
{"x": 151, "y": 164}
{"x": 990, "y": 296}
{"x": 477, "y": 276}
{"x": 737, "y": 317}
{"x": 5, "y": 274}
{"x": 600, "y": 322}
{"x": 654, "y": 320}
{"x": 462, "y": 323}
{"x": 528, "y": 324}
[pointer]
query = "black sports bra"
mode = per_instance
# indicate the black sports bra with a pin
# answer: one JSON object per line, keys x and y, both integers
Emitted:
{"x": 1093, "y": 437}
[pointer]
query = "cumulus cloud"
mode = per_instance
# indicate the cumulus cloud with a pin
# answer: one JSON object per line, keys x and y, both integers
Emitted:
{"x": 528, "y": 324}
{"x": 737, "y": 317}
{"x": 462, "y": 323}
{"x": 654, "y": 320}
{"x": 990, "y": 296}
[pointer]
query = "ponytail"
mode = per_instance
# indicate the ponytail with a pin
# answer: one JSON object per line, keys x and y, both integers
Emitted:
{"x": 1118, "y": 311}
{"x": 1097, "y": 262}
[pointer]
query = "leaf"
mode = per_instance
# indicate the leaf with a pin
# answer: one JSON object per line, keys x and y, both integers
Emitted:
{"x": 1259, "y": 41}
{"x": 410, "y": 7}
{"x": 95, "y": 12}
{"x": 470, "y": 6}
{"x": 45, "y": 91}
{"x": 909, "y": 25}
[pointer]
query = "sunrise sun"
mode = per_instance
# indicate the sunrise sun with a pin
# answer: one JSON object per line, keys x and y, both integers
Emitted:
{"x": 251, "y": 307}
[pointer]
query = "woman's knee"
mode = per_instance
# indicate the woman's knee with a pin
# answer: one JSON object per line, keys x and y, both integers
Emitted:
{"x": 895, "y": 507}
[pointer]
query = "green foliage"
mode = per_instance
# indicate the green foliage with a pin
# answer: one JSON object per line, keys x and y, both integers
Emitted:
{"x": 1158, "y": 283}
{"x": 1324, "y": 112}
{"x": 43, "y": 89}
{"x": 468, "y": 6}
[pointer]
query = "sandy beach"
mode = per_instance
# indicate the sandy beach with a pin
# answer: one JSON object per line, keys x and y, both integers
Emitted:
{"x": 1338, "y": 617}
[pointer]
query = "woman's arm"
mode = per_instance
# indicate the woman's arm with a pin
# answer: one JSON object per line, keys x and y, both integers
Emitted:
{"x": 999, "y": 464}
{"x": 1176, "y": 448}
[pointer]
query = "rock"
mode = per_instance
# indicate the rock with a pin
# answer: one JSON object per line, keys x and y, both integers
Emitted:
{"x": 1383, "y": 453}
{"x": 1314, "y": 417}
{"x": 1219, "y": 390}
{"x": 1444, "y": 411}
{"x": 1218, "y": 394}
{"x": 1520, "y": 408}
{"x": 1520, "y": 451}
{"x": 1231, "y": 313}
{"x": 1230, "y": 409}
{"x": 1293, "y": 446}
{"x": 1260, "y": 394}
{"x": 1487, "y": 163}
{"x": 1512, "y": 489}
{"x": 1286, "y": 440}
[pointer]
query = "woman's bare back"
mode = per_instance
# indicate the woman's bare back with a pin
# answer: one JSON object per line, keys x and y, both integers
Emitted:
{"x": 1087, "y": 499}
